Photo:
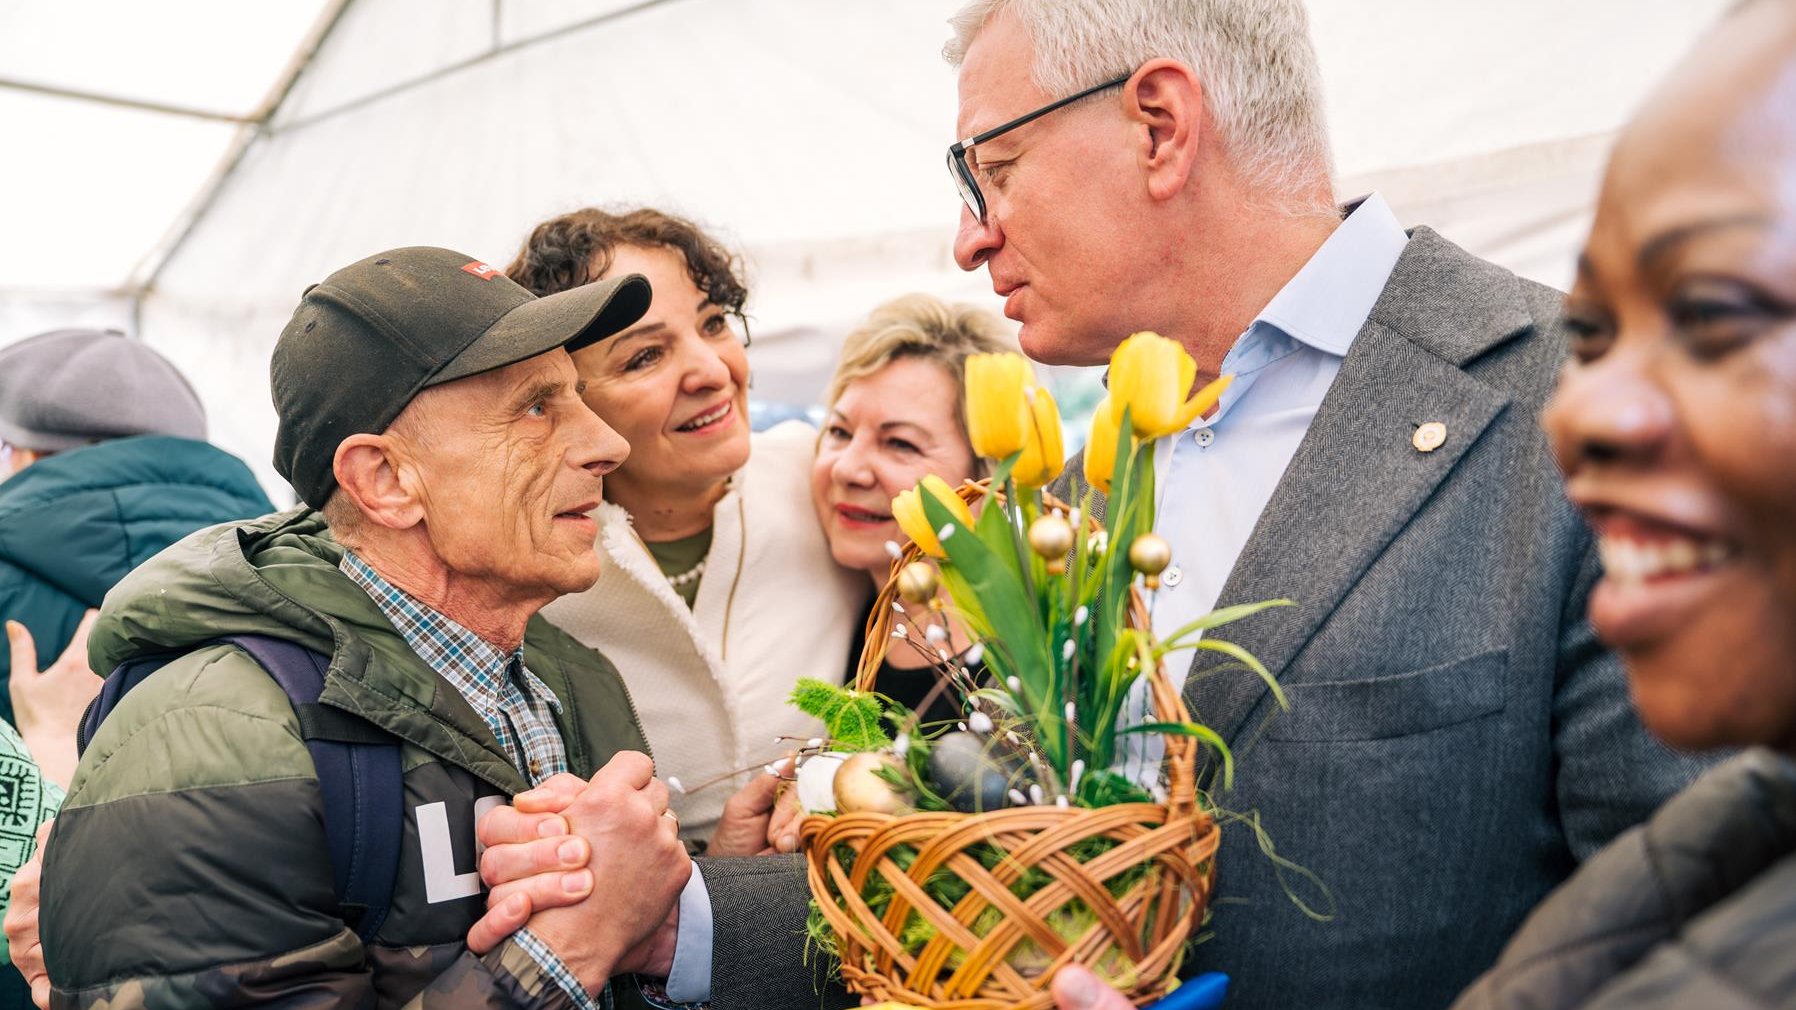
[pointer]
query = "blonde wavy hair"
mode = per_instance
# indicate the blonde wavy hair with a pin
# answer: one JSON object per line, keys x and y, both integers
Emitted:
{"x": 924, "y": 327}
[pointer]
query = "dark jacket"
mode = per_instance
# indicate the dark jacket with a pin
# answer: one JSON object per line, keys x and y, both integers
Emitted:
{"x": 1458, "y": 740}
{"x": 189, "y": 865}
{"x": 1695, "y": 908}
{"x": 73, "y": 524}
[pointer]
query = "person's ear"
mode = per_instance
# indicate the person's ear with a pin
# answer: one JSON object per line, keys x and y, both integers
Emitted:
{"x": 1166, "y": 102}
{"x": 373, "y": 472}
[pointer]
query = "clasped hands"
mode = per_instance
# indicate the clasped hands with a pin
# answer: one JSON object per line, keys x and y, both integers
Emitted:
{"x": 545, "y": 853}
{"x": 549, "y": 856}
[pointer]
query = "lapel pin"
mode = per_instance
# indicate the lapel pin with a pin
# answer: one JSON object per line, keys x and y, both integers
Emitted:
{"x": 1429, "y": 437}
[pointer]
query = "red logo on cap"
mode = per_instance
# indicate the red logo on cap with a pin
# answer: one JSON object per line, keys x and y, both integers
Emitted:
{"x": 481, "y": 270}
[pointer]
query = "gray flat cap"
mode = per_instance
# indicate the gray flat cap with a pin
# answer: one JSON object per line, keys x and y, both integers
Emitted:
{"x": 68, "y": 388}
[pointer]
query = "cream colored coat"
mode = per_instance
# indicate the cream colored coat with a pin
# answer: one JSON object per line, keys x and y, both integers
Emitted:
{"x": 711, "y": 683}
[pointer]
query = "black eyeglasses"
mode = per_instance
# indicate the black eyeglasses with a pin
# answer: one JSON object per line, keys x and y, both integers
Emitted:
{"x": 957, "y": 153}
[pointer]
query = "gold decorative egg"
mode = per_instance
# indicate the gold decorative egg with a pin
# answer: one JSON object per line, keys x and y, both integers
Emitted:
{"x": 1051, "y": 536}
{"x": 918, "y": 582}
{"x": 1149, "y": 555}
{"x": 862, "y": 788}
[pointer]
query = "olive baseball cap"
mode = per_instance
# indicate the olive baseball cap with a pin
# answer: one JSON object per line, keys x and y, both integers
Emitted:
{"x": 367, "y": 339}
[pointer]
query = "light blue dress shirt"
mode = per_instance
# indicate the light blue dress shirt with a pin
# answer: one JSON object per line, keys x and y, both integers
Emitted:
{"x": 689, "y": 979}
{"x": 1216, "y": 476}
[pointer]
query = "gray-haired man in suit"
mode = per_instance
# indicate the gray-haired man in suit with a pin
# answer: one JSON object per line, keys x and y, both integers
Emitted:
{"x": 1457, "y": 740}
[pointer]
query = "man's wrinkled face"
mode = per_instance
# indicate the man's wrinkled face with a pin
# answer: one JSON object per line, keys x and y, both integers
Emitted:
{"x": 1056, "y": 238}
{"x": 507, "y": 464}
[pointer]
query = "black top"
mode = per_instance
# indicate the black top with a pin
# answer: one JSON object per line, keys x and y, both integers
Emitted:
{"x": 908, "y": 686}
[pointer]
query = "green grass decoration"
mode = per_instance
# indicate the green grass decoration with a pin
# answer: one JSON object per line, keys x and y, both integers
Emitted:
{"x": 850, "y": 717}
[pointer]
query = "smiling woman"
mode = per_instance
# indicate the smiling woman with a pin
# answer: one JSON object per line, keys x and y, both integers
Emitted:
{"x": 1675, "y": 423}
{"x": 896, "y": 413}
{"x": 717, "y": 592}
{"x": 1676, "y": 420}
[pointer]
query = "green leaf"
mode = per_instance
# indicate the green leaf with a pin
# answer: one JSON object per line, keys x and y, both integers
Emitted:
{"x": 856, "y": 726}
{"x": 1008, "y": 610}
{"x": 1193, "y": 729}
{"x": 850, "y": 717}
{"x": 1121, "y": 516}
{"x": 998, "y": 697}
{"x": 1218, "y": 618}
{"x": 965, "y": 604}
{"x": 993, "y": 524}
{"x": 1246, "y": 659}
{"x": 1105, "y": 788}
{"x": 1010, "y": 613}
{"x": 817, "y": 698}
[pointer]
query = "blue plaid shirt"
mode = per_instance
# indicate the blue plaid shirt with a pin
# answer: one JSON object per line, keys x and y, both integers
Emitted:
{"x": 515, "y": 704}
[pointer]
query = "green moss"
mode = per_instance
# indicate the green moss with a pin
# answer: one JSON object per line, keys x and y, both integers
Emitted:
{"x": 851, "y": 717}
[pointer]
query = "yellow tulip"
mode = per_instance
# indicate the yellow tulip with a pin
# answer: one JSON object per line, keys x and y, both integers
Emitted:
{"x": 1200, "y": 402}
{"x": 1044, "y": 451}
{"x": 996, "y": 414}
{"x": 1100, "y": 448}
{"x": 1150, "y": 376}
{"x": 907, "y": 509}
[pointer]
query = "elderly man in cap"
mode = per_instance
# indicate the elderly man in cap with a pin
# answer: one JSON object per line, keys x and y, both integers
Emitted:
{"x": 431, "y": 416}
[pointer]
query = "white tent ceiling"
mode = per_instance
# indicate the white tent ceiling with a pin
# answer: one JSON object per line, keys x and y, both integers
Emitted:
{"x": 161, "y": 176}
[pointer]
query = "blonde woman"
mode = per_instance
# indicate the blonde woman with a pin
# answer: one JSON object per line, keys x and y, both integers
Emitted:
{"x": 895, "y": 413}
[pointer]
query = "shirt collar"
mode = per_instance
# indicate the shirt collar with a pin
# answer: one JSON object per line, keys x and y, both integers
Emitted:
{"x": 1328, "y": 301}
{"x": 474, "y": 665}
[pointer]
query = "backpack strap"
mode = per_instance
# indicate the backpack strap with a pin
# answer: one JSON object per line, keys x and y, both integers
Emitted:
{"x": 359, "y": 771}
{"x": 115, "y": 687}
{"x": 359, "y": 774}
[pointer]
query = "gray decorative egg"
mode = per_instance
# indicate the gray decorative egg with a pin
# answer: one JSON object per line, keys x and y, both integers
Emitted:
{"x": 966, "y": 770}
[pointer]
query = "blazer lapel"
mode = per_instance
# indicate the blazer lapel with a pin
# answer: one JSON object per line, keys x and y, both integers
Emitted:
{"x": 1358, "y": 477}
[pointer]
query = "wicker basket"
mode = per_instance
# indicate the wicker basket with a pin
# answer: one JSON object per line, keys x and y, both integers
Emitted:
{"x": 1135, "y": 938}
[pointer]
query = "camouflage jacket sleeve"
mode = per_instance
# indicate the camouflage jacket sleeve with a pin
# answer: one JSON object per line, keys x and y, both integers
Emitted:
{"x": 189, "y": 867}
{"x": 506, "y": 977}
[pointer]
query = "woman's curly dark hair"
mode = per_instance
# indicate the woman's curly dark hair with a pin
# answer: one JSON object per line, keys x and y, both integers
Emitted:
{"x": 577, "y": 248}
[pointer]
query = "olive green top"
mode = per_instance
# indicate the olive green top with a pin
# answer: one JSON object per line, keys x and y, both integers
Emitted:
{"x": 680, "y": 557}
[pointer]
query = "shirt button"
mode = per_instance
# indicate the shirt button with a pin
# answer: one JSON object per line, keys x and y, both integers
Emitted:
{"x": 1172, "y": 577}
{"x": 536, "y": 769}
{"x": 1205, "y": 436}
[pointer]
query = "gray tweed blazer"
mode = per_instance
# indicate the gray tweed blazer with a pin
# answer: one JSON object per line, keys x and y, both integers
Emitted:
{"x": 1458, "y": 741}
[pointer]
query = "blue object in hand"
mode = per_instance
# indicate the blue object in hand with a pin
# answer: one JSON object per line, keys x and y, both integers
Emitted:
{"x": 1205, "y": 992}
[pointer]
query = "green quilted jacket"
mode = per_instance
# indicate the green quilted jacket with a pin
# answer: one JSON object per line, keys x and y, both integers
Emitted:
{"x": 189, "y": 865}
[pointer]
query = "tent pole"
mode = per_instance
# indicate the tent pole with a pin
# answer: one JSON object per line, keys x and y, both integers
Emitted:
{"x": 119, "y": 101}
{"x": 450, "y": 69}
{"x": 149, "y": 268}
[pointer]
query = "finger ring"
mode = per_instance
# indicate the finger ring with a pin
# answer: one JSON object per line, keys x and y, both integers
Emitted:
{"x": 668, "y": 813}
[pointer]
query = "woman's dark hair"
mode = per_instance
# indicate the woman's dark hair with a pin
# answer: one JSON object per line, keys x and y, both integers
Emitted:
{"x": 577, "y": 248}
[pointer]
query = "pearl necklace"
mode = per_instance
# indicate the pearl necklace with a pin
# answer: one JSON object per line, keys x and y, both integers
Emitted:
{"x": 690, "y": 575}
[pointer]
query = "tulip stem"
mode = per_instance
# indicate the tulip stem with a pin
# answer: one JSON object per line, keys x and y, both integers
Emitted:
{"x": 1025, "y": 557}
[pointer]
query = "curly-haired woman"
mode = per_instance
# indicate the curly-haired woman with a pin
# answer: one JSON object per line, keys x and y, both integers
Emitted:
{"x": 719, "y": 590}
